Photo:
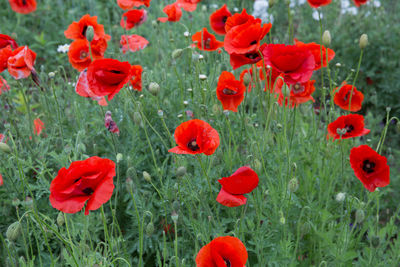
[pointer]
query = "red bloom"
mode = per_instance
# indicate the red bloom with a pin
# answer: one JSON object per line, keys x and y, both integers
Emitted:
{"x": 252, "y": 57}
{"x": 245, "y": 38}
{"x": 3, "y": 85}
{"x": 133, "y": 43}
{"x": 107, "y": 76}
{"x": 206, "y": 41}
{"x": 82, "y": 88}
{"x": 299, "y": 93}
{"x": 342, "y": 97}
{"x": 1, "y": 180}
{"x": 133, "y": 18}
{"x": 173, "y": 12}
{"x": 230, "y": 91}
{"x": 77, "y": 30}
{"x": 5, "y": 53}
{"x": 352, "y": 123}
{"x": 297, "y": 63}
{"x": 79, "y": 54}
{"x": 136, "y": 80}
{"x": 20, "y": 63}
{"x": 110, "y": 123}
{"x": 2, "y": 137}
{"x": 195, "y": 137}
{"x": 38, "y": 126}
{"x": 242, "y": 181}
{"x": 218, "y": 20}
{"x": 6, "y": 40}
{"x": 128, "y": 4}
{"x": 87, "y": 180}
{"x": 358, "y": 3}
{"x": 188, "y": 5}
{"x": 369, "y": 167}
{"x": 221, "y": 252}
{"x": 239, "y": 19}
{"x": 316, "y": 51}
{"x": 318, "y": 3}
{"x": 23, "y": 6}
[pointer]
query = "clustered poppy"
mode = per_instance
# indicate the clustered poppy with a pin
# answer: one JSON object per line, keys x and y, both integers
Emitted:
{"x": 222, "y": 251}
{"x": 77, "y": 30}
{"x": 347, "y": 93}
{"x": 88, "y": 180}
{"x": 230, "y": 91}
{"x": 82, "y": 88}
{"x": 206, "y": 41}
{"x": 195, "y": 137}
{"x": 6, "y": 40}
{"x": 133, "y": 43}
{"x": 20, "y": 62}
{"x": 347, "y": 126}
{"x": 298, "y": 93}
{"x": 79, "y": 54}
{"x": 133, "y": 18}
{"x": 241, "y": 182}
{"x": 316, "y": 49}
{"x": 136, "y": 77}
{"x": 23, "y": 6}
{"x": 369, "y": 167}
{"x": 1, "y": 180}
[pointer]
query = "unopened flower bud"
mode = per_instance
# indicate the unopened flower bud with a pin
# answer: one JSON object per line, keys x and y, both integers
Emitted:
{"x": 154, "y": 88}
{"x": 285, "y": 90}
{"x": 174, "y": 216}
{"x": 246, "y": 79}
{"x": 293, "y": 185}
{"x": 177, "y": 53}
{"x": 5, "y": 148}
{"x": 137, "y": 118}
{"x": 326, "y": 38}
{"x": 131, "y": 172}
{"x": 375, "y": 241}
{"x": 150, "y": 228}
{"x": 13, "y": 231}
{"x": 90, "y": 33}
{"x": 216, "y": 109}
{"x": 181, "y": 171}
{"x": 363, "y": 41}
{"x": 360, "y": 216}
{"x": 257, "y": 165}
{"x": 147, "y": 176}
{"x": 60, "y": 219}
{"x": 119, "y": 157}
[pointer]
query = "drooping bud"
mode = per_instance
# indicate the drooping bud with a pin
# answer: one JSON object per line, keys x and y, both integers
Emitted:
{"x": 5, "y": 148}
{"x": 90, "y": 33}
{"x": 293, "y": 185}
{"x": 137, "y": 119}
{"x": 326, "y": 38}
{"x": 258, "y": 165}
{"x": 60, "y": 219}
{"x": 177, "y": 53}
{"x": 13, "y": 231}
{"x": 150, "y": 228}
{"x": 363, "y": 41}
{"x": 154, "y": 88}
{"x": 147, "y": 176}
{"x": 246, "y": 79}
{"x": 360, "y": 216}
{"x": 181, "y": 171}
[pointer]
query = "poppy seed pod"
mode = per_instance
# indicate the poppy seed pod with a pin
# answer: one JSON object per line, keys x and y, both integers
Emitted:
{"x": 326, "y": 38}
{"x": 177, "y": 53}
{"x": 147, "y": 176}
{"x": 363, "y": 41}
{"x": 154, "y": 88}
{"x": 13, "y": 231}
{"x": 60, "y": 219}
{"x": 5, "y": 148}
{"x": 181, "y": 171}
{"x": 90, "y": 33}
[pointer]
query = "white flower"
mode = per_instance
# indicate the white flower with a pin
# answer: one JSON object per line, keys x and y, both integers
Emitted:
{"x": 202, "y": 77}
{"x": 260, "y": 10}
{"x": 315, "y": 15}
{"x": 340, "y": 197}
{"x": 63, "y": 48}
{"x": 186, "y": 34}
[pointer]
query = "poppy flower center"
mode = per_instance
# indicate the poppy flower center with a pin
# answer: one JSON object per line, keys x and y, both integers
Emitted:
{"x": 224, "y": 19}
{"x": 228, "y": 91}
{"x": 88, "y": 191}
{"x": 368, "y": 166}
{"x": 83, "y": 55}
{"x": 227, "y": 262}
{"x": 207, "y": 43}
{"x": 349, "y": 128}
{"x": 253, "y": 56}
{"x": 24, "y": 2}
{"x": 298, "y": 88}
{"x": 347, "y": 95}
{"x": 253, "y": 42}
{"x": 84, "y": 30}
{"x": 192, "y": 145}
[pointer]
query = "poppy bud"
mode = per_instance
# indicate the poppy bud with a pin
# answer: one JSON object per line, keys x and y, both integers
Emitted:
{"x": 363, "y": 41}
{"x": 375, "y": 241}
{"x": 326, "y": 38}
{"x": 147, "y": 176}
{"x": 154, "y": 88}
{"x": 119, "y": 157}
{"x": 340, "y": 197}
{"x": 60, "y": 219}
{"x": 22, "y": 261}
{"x": 246, "y": 79}
{"x": 174, "y": 216}
{"x": 150, "y": 229}
{"x": 13, "y": 231}
{"x": 282, "y": 219}
{"x": 131, "y": 172}
{"x": 257, "y": 165}
{"x": 360, "y": 216}
{"x": 90, "y": 33}
{"x": 216, "y": 109}
{"x": 293, "y": 185}
{"x": 181, "y": 171}
{"x": 160, "y": 113}
{"x": 137, "y": 119}
{"x": 52, "y": 75}
{"x": 5, "y": 148}
{"x": 177, "y": 53}
{"x": 285, "y": 90}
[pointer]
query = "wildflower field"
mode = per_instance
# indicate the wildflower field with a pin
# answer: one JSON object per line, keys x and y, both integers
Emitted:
{"x": 199, "y": 133}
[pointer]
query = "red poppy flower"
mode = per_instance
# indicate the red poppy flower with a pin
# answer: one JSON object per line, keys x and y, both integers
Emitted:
{"x": 6, "y": 40}
{"x": 133, "y": 43}
{"x": 206, "y": 41}
{"x": 4, "y": 87}
{"x": 342, "y": 97}
{"x": 245, "y": 38}
{"x": 239, "y": 19}
{"x": 318, "y": 3}
{"x": 230, "y": 91}
{"x": 173, "y": 12}
{"x": 195, "y": 137}
{"x": 358, "y": 3}
{"x": 1, "y": 180}
{"x": 271, "y": 73}
{"x": 299, "y": 93}
{"x": 79, "y": 54}
{"x": 297, "y": 63}
{"x": 38, "y": 126}
{"x": 188, "y": 5}
{"x": 221, "y": 252}
{"x": 23, "y": 6}
{"x": 77, "y": 30}
{"x": 2, "y": 137}
{"x": 369, "y": 167}
{"x": 252, "y": 57}
{"x": 133, "y": 18}
{"x": 5, "y": 54}
{"x": 20, "y": 63}
{"x": 128, "y": 4}
{"x": 107, "y": 76}
{"x": 110, "y": 123}
{"x": 88, "y": 180}
{"x": 82, "y": 88}
{"x": 316, "y": 51}
{"x": 241, "y": 182}
{"x": 218, "y": 20}
{"x": 136, "y": 80}
{"x": 352, "y": 123}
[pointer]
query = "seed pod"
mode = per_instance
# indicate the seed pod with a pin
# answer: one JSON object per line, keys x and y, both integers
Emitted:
{"x": 246, "y": 79}
{"x": 293, "y": 185}
{"x": 5, "y": 148}
{"x": 174, "y": 216}
{"x": 177, "y": 53}
{"x": 90, "y": 33}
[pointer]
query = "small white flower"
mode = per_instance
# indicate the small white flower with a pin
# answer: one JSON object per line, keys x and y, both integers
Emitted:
{"x": 340, "y": 197}
{"x": 186, "y": 102}
{"x": 186, "y": 34}
{"x": 180, "y": 115}
{"x": 189, "y": 89}
{"x": 201, "y": 56}
{"x": 338, "y": 65}
{"x": 316, "y": 16}
{"x": 51, "y": 74}
{"x": 214, "y": 6}
{"x": 235, "y": 9}
{"x": 202, "y": 77}
{"x": 160, "y": 113}
{"x": 63, "y": 48}
{"x": 205, "y": 89}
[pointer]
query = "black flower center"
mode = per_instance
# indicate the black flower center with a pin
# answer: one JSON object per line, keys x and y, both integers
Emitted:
{"x": 298, "y": 88}
{"x": 368, "y": 166}
{"x": 192, "y": 145}
{"x": 252, "y": 56}
{"x": 207, "y": 43}
{"x": 77, "y": 180}
{"x": 84, "y": 30}
{"x": 83, "y": 55}
{"x": 253, "y": 42}
{"x": 349, "y": 128}
{"x": 228, "y": 91}
{"x": 224, "y": 19}
{"x": 88, "y": 191}
{"x": 24, "y": 2}
{"x": 227, "y": 262}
